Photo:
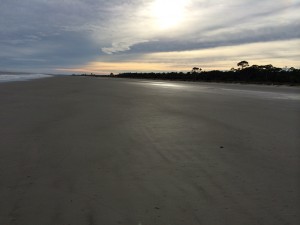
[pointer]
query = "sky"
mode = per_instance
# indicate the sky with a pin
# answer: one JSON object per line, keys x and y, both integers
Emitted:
{"x": 104, "y": 36}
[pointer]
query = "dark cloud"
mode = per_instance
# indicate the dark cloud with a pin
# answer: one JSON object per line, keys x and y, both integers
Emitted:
{"x": 243, "y": 36}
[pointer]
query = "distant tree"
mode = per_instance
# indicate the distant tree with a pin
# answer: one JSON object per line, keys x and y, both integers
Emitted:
{"x": 243, "y": 64}
{"x": 269, "y": 67}
{"x": 196, "y": 70}
{"x": 255, "y": 73}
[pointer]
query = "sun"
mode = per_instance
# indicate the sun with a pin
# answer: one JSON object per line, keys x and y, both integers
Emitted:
{"x": 168, "y": 13}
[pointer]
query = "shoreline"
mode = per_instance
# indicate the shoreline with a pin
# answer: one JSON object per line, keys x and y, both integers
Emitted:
{"x": 15, "y": 77}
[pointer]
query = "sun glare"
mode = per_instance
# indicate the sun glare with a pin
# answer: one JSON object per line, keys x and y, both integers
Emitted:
{"x": 168, "y": 13}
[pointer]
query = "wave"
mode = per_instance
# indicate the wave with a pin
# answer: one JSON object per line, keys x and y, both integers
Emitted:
{"x": 21, "y": 77}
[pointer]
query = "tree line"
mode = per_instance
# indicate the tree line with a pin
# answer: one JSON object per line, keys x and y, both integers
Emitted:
{"x": 243, "y": 74}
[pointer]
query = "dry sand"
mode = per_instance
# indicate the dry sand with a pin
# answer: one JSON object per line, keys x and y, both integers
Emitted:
{"x": 81, "y": 150}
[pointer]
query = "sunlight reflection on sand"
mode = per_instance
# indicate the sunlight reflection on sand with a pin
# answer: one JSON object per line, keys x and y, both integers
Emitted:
{"x": 224, "y": 91}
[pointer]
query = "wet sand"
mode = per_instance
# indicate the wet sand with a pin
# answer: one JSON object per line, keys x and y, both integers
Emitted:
{"x": 83, "y": 150}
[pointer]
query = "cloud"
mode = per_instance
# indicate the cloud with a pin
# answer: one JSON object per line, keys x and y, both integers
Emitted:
{"x": 209, "y": 24}
{"x": 72, "y": 33}
{"x": 279, "y": 53}
{"x": 122, "y": 46}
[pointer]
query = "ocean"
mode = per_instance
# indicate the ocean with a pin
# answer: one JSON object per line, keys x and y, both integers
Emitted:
{"x": 11, "y": 77}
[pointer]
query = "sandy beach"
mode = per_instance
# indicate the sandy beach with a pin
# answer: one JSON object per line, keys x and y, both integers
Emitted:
{"x": 87, "y": 151}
